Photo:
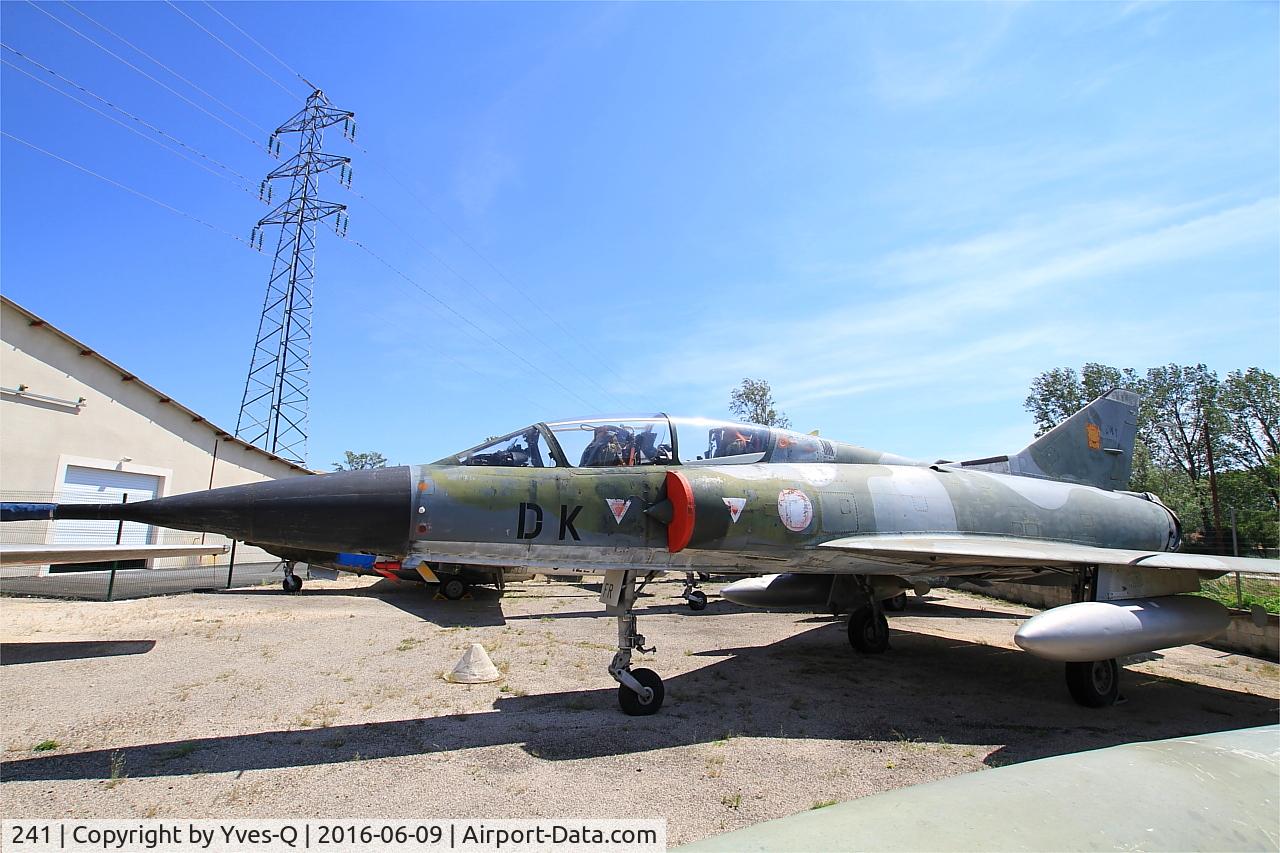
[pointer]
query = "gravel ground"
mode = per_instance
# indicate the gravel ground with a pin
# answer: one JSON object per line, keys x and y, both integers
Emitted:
{"x": 250, "y": 703}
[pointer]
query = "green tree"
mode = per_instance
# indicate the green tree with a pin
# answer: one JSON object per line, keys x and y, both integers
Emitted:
{"x": 1251, "y": 400}
{"x": 361, "y": 461}
{"x": 1204, "y": 446}
{"x": 1059, "y": 393}
{"x": 752, "y": 401}
{"x": 1186, "y": 430}
{"x": 1245, "y": 494}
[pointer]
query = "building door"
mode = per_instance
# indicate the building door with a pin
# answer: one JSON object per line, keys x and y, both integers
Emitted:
{"x": 84, "y": 485}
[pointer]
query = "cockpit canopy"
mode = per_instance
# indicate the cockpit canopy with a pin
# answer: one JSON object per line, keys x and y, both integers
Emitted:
{"x": 606, "y": 442}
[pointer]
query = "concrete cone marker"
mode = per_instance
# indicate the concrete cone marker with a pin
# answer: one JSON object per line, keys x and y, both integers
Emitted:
{"x": 474, "y": 668}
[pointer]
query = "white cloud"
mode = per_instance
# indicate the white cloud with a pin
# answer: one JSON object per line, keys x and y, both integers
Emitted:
{"x": 915, "y": 76}
{"x": 969, "y": 306}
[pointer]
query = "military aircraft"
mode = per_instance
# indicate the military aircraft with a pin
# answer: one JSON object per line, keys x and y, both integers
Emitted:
{"x": 633, "y": 496}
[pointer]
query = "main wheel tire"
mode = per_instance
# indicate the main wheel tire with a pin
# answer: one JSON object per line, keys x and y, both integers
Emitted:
{"x": 868, "y": 631}
{"x": 697, "y": 600}
{"x": 896, "y": 604}
{"x": 632, "y": 704}
{"x": 454, "y": 588}
{"x": 1094, "y": 684}
{"x": 291, "y": 583}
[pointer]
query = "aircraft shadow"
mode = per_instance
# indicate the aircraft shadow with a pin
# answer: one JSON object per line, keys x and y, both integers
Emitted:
{"x": 483, "y": 606}
{"x": 927, "y": 691}
{"x": 16, "y": 653}
{"x": 934, "y": 607}
{"x": 482, "y": 609}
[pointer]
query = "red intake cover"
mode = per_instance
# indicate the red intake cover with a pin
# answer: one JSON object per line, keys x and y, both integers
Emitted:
{"x": 680, "y": 493}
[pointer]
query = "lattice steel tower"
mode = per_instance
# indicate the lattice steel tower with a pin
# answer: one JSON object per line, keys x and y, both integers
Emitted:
{"x": 273, "y": 411}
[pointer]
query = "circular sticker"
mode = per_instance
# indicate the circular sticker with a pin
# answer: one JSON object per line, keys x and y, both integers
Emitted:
{"x": 795, "y": 509}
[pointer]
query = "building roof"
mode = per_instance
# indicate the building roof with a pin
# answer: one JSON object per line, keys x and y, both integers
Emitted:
{"x": 161, "y": 397}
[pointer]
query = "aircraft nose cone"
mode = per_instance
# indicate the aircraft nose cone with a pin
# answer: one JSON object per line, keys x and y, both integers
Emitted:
{"x": 346, "y": 511}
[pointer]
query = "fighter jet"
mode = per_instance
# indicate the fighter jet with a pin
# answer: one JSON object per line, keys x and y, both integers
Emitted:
{"x": 629, "y": 497}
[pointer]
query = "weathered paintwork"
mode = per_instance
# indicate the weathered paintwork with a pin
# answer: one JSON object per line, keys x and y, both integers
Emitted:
{"x": 632, "y": 495}
{"x": 748, "y": 516}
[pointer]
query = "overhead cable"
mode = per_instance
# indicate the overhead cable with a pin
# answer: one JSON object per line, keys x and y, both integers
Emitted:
{"x": 251, "y": 63}
{"x": 264, "y": 48}
{"x": 569, "y": 334}
{"x": 132, "y": 129}
{"x": 209, "y": 95}
{"x": 537, "y": 371}
{"x": 126, "y": 188}
{"x": 115, "y": 107}
{"x": 160, "y": 83}
{"x": 440, "y": 218}
{"x": 474, "y": 289}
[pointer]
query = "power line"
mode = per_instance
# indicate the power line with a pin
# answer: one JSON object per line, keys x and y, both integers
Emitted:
{"x": 218, "y": 229}
{"x": 127, "y": 127}
{"x": 447, "y": 307}
{"x": 440, "y": 218}
{"x": 276, "y": 404}
{"x": 232, "y": 49}
{"x": 486, "y": 296}
{"x": 113, "y": 106}
{"x": 212, "y": 97}
{"x": 589, "y": 352}
{"x": 365, "y": 248}
{"x": 126, "y": 188}
{"x": 163, "y": 85}
{"x": 264, "y": 48}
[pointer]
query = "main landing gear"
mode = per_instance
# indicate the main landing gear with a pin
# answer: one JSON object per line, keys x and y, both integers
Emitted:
{"x": 640, "y": 691}
{"x": 696, "y": 598}
{"x": 454, "y": 589}
{"x": 868, "y": 627}
{"x": 1095, "y": 683}
{"x": 291, "y": 583}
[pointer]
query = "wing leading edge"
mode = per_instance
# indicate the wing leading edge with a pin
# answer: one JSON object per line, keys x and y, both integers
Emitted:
{"x": 1003, "y": 551}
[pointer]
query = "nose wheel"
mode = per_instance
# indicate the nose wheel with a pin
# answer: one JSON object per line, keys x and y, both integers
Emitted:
{"x": 291, "y": 583}
{"x": 648, "y": 700}
{"x": 696, "y": 598}
{"x": 640, "y": 691}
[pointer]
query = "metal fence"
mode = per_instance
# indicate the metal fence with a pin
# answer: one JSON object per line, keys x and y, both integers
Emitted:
{"x": 1244, "y": 591}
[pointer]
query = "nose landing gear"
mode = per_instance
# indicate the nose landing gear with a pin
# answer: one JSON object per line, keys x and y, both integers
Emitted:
{"x": 291, "y": 583}
{"x": 640, "y": 691}
{"x": 696, "y": 598}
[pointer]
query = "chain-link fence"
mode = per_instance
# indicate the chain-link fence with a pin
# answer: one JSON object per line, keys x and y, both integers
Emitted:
{"x": 105, "y": 580}
{"x": 1244, "y": 591}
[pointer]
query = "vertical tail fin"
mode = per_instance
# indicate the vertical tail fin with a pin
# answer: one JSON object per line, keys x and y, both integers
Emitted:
{"x": 1093, "y": 447}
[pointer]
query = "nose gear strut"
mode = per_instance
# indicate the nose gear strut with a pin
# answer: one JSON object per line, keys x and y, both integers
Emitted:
{"x": 291, "y": 582}
{"x": 640, "y": 691}
{"x": 696, "y": 598}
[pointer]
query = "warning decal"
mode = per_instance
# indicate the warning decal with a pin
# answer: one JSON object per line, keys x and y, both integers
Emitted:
{"x": 618, "y": 507}
{"x": 735, "y": 506}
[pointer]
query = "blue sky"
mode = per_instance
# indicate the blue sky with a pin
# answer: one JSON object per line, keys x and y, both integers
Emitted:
{"x": 897, "y": 214}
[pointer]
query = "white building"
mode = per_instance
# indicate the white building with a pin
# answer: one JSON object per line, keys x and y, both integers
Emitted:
{"x": 76, "y": 427}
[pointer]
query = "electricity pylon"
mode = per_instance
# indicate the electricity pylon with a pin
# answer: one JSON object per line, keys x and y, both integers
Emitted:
{"x": 277, "y": 393}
